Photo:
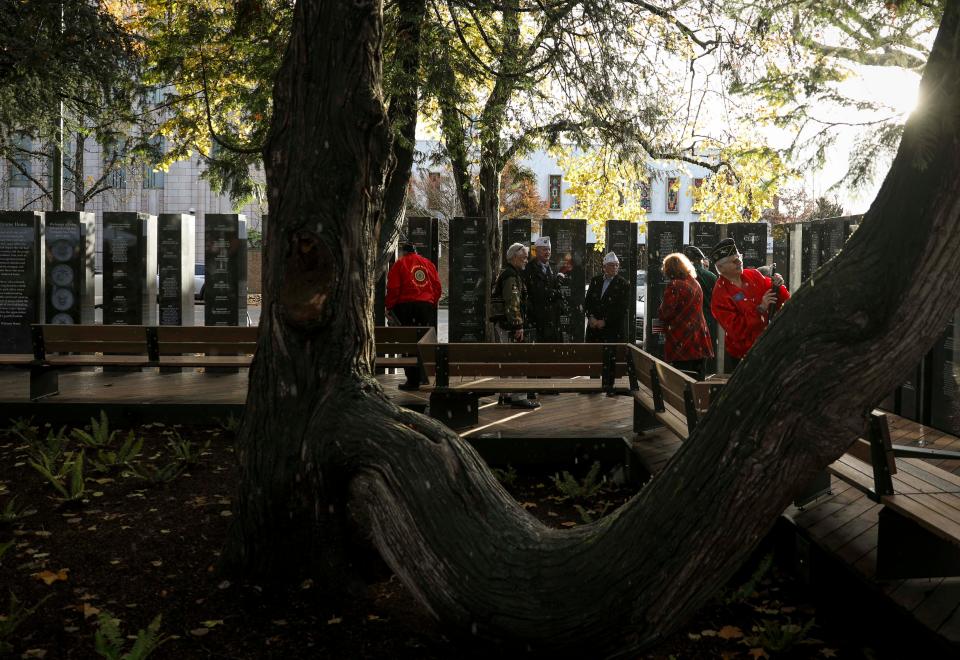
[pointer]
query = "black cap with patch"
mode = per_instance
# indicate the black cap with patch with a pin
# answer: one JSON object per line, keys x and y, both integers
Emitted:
{"x": 725, "y": 248}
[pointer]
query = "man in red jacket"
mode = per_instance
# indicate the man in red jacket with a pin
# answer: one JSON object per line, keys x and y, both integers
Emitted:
{"x": 741, "y": 299}
{"x": 413, "y": 290}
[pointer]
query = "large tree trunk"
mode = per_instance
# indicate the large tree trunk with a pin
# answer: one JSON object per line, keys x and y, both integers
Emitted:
{"x": 321, "y": 448}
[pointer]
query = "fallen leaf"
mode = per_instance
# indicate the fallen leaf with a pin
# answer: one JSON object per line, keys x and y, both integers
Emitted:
{"x": 694, "y": 637}
{"x": 199, "y": 632}
{"x": 89, "y": 610}
{"x": 568, "y": 523}
{"x": 757, "y": 653}
{"x": 529, "y": 505}
{"x": 334, "y": 620}
{"x": 34, "y": 653}
{"x": 730, "y": 632}
{"x": 828, "y": 653}
{"x": 226, "y": 514}
{"x": 49, "y": 577}
{"x": 280, "y": 622}
{"x": 224, "y": 585}
{"x": 372, "y": 617}
{"x": 212, "y": 623}
{"x": 70, "y": 629}
{"x": 708, "y": 633}
{"x": 157, "y": 563}
{"x": 788, "y": 609}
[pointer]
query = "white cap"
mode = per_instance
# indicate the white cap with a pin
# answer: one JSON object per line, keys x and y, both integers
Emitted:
{"x": 611, "y": 258}
{"x": 543, "y": 241}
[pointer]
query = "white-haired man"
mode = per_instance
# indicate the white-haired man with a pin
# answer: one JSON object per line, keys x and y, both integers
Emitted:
{"x": 607, "y": 303}
{"x": 509, "y": 308}
{"x": 545, "y": 300}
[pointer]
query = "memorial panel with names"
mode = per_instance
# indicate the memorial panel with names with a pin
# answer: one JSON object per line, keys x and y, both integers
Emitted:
{"x": 943, "y": 380}
{"x": 468, "y": 284}
{"x": 176, "y": 256}
{"x": 568, "y": 239}
{"x": 423, "y": 232}
{"x": 515, "y": 230}
{"x": 781, "y": 250}
{"x": 834, "y": 233}
{"x": 69, "y": 237}
{"x": 225, "y": 290}
{"x": 751, "y": 239}
{"x": 21, "y": 278}
{"x": 810, "y": 250}
{"x": 621, "y": 239}
{"x": 704, "y": 235}
{"x": 663, "y": 237}
{"x": 129, "y": 268}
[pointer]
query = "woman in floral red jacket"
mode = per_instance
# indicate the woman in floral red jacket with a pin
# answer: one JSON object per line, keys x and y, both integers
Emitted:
{"x": 681, "y": 312}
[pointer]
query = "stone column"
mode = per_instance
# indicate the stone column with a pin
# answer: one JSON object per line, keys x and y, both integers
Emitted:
{"x": 69, "y": 237}
{"x": 225, "y": 290}
{"x": 129, "y": 268}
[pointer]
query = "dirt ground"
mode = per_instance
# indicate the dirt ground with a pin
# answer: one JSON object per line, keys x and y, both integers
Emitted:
{"x": 123, "y": 545}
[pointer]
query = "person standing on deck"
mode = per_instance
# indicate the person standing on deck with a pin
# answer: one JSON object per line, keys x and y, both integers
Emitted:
{"x": 413, "y": 290}
{"x": 508, "y": 306}
{"x": 742, "y": 299}
{"x": 607, "y": 303}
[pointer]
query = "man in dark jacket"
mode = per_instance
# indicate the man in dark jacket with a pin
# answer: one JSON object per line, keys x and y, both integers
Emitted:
{"x": 707, "y": 280}
{"x": 545, "y": 301}
{"x": 608, "y": 301}
{"x": 509, "y": 307}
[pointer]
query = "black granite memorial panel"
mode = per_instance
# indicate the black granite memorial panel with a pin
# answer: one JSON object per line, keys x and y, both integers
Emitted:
{"x": 468, "y": 285}
{"x": 225, "y": 292}
{"x": 176, "y": 256}
{"x": 663, "y": 238}
{"x": 129, "y": 268}
{"x": 568, "y": 240}
{"x": 751, "y": 239}
{"x": 781, "y": 249}
{"x": 834, "y": 232}
{"x": 69, "y": 240}
{"x": 810, "y": 250}
{"x": 21, "y": 278}
{"x": 515, "y": 230}
{"x": 621, "y": 239}
{"x": 423, "y": 233}
{"x": 944, "y": 376}
{"x": 704, "y": 235}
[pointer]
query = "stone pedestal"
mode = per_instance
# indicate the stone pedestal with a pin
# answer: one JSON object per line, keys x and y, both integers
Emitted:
{"x": 468, "y": 285}
{"x": 69, "y": 254}
{"x": 663, "y": 238}
{"x": 621, "y": 239}
{"x": 21, "y": 278}
{"x": 225, "y": 247}
{"x": 568, "y": 240}
{"x": 129, "y": 268}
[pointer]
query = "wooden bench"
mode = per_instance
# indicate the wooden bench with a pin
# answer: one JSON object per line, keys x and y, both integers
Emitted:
{"x": 464, "y": 372}
{"x": 666, "y": 396}
{"x": 396, "y": 346}
{"x": 919, "y": 524}
{"x": 59, "y": 347}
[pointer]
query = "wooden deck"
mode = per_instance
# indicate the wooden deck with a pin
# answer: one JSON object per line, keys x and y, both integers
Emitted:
{"x": 843, "y": 524}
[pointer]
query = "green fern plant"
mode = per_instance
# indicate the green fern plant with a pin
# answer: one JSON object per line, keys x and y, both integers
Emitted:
{"x": 571, "y": 488}
{"x": 185, "y": 452}
{"x": 66, "y": 478}
{"x": 107, "y": 460}
{"x": 100, "y": 435}
{"x": 773, "y": 635}
{"x": 4, "y": 547}
{"x": 11, "y": 513}
{"x": 15, "y": 615}
{"x": 110, "y": 643}
{"x": 49, "y": 451}
{"x": 23, "y": 427}
{"x": 231, "y": 424}
{"x": 157, "y": 475}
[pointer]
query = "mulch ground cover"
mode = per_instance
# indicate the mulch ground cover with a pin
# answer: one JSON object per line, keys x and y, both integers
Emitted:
{"x": 109, "y": 549}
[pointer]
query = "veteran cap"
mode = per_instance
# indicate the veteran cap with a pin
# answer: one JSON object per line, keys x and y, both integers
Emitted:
{"x": 725, "y": 248}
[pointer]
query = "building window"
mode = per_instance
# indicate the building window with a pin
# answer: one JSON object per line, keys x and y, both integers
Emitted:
{"x": 116, "y": 172}
{"x": 153, "y": 179}
{"x": 645, "y": 196}
{"x": 673, "y": 195}
{"x": 555, "y": 180}
{"x": 20, "y": 176}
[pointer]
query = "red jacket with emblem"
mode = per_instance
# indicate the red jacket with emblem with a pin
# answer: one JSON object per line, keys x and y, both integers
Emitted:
{"x": 412, "y": 279}
{"x": 681, "y": 313}
{"x": 736, "y": 309}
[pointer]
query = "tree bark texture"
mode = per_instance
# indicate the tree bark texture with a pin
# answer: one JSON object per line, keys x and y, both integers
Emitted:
{"x": 403, "y": 120}
{"x": 322, "y": 449}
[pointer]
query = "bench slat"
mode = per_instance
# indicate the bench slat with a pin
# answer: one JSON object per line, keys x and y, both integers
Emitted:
{"x": 914, "y": 508}
{"x": 56, "y": 332}
{"x": 210, "y": 348}
{"x": 225, "y": 334}
{"x": 96, "y": 346}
